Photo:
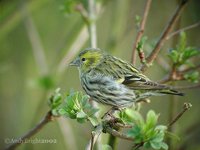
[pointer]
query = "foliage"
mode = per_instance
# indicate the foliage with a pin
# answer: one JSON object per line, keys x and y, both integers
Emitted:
{"x": 75, "y": 106}
{"x": 145, "y": 131}
{"x": 55, "y": 101}
{"x": 182, "y": 55}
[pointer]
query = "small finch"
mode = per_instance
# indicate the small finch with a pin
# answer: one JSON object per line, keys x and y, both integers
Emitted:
{"x": 112, "y": 81}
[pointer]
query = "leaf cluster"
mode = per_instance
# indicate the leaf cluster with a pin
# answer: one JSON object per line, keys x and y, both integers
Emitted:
{"x": 74, "y": 105}
{"x": 144, "y": 131}
{"x": 182, "y": 55}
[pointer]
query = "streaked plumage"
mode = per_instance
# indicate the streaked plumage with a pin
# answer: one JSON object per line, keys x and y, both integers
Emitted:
{"x": 112, "y": 81}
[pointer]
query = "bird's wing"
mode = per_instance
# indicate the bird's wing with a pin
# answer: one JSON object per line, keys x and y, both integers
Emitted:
{"x": 125, "y": 73}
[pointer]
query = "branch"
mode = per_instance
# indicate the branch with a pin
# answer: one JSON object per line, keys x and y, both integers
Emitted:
{"x": 118, "y": 134}
{"x": 47, "y": 118}
{"x": 186, "y": 107}
{"x": 94, "y": 137}
{"x": 191, "y": 69}
{"x": 164, "y": 35}
{"x": 92, "y": 23}
{"x": 141, "y": 31}
{"x": 178, "y": 75}
{"x": 183, "y": 29}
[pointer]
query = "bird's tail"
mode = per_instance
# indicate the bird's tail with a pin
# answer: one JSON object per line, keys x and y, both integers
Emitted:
{"x": 172, "y": 92}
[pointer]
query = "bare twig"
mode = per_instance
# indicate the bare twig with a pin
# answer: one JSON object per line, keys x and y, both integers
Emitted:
{"x": 141, "y": 30}
{"x": 118, "y": 134}
{"x": 191, "y": 69}
{"x": 92, "y": 24}
{"x": 94, "y": 137}
{"x": 186, "y": 107}
{"x": 183, "y": 29}
{"x": 137, "y": 146}
{"x": 47, "y": 118}
{"x": 178, "y": 75}
{"x": 163, "y": 36}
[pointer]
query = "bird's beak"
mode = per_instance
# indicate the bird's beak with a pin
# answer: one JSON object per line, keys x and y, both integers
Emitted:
{"x": 75, "y": 62}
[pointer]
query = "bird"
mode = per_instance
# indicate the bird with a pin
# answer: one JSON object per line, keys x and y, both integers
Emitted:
{"x": 112, "y": 81}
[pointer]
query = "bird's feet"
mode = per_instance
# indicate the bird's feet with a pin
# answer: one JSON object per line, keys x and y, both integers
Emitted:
{"x": 110, "y": 113}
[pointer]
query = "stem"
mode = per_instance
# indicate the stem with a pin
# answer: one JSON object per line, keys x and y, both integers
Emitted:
{"x": 47, "y": 118}
{"x": 141, "y": 30}
{"x": 118, "y": 134}
{"x": 112, "y": 141}
{"x": 92, "y": 23}
{"x": 94, "y": 137}
{"x": 164, "y": 35}
{"x": 183, "y": 29}
{"x": 186, "y": 107}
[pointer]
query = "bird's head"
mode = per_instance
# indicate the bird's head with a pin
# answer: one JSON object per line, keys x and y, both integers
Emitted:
{"x": 88, "y": 59}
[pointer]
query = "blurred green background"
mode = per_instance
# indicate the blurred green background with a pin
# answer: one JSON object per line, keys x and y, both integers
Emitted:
{"x": 38, "y": 38}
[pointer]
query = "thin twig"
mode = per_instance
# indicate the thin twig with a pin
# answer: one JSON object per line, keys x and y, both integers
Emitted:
{"x": 118, "y": 134}
{"x": 178, "y": 75}
{"x": 186, "y": 107}
{"x": 137, "y": 146}
{"x": 183, "y": 29}
{"x": 94, "y": 137}
{"x": 141, "y": 30}
{"x": 191, "y": 69}
{"x": 92, "y": 23}
{"x": 47, "y": 118}
{"x": 162, "y": 39}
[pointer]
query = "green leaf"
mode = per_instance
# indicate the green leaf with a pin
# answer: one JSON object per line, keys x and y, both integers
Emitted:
{"x": 192, "y": 76}
{"x": 81, "y": 114}
{"x": 190, "y": 52}
{"x": 159, "y": 137}
{"x": 161, "y": 127}
{"x": 55, "y": 102}
{"x": 164, "y": 146}
{"x": 147, "y": 145}
{"x": 106, "y": 147}
{"x": 76, "y": 106}
{"x": 155, "y": 145}
{"x": 151, "y": 119}
{"x": 174, "y": 56}
{"x": 182, "y": 42}
{"x": 137, "y": 20}
{"x": 172, "y": 135}
{"x": 130, "y": 115}
{"x": 46, "y": 82}
{"x": 93, "y": 121}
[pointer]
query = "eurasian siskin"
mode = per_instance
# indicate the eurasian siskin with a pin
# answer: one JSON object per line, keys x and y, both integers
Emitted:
{"x": 112, "y": 81}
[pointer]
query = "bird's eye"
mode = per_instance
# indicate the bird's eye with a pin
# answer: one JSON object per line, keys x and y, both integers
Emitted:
{"x": 83, "y": 59}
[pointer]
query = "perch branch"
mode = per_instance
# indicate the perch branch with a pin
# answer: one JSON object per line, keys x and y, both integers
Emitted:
{"x": 141, "y": 31}
{"x": 162, "y": 39}
{"x": 118, "y": 134}
{"x": 47, "y": 118}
